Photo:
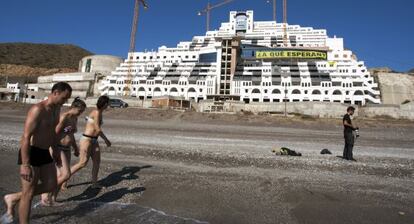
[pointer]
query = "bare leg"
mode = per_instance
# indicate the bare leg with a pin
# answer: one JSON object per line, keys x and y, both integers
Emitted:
{"x": 63, "y": 174}
{"x": 26, "y": 195}
{"x": 47, "y": 175}
{"x": 68, "y": 157}
{"x": 96, "y": 159}
{"x": 84, "y": 149}
{"x": 10, "y": 201}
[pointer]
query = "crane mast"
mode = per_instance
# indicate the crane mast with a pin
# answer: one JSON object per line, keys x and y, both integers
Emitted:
{"x": 285, "y": 37}
{"x": 128, "y": 80}
{"x": 208, "y": 9}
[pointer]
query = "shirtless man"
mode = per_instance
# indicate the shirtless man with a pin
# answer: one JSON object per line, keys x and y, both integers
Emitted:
{"x": 65, "y": 130}
{"x": 35, "y": 161}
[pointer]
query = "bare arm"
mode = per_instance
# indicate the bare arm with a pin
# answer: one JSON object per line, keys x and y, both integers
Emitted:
{"x": 61, "y": 124}
{"x": 73, "y": 140}
{"x": 32, "y": 121}
{"x": 101, "y": 134}
{"x": 349, "y": 125}
{"x": 108, "y": 143}
{"x": 56, "y": 137}
{"x": 96, "y": 118}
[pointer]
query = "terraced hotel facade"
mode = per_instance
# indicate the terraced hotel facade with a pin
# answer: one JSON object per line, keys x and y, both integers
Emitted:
{"x": 249, "y": 61}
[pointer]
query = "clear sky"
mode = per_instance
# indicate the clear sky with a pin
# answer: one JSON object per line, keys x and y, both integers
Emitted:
{"x": 380, "y": 32}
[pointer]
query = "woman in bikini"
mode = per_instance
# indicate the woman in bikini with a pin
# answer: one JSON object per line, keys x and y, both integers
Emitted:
{"x": 88, "y": 145}
{"x": 65, "y": 130}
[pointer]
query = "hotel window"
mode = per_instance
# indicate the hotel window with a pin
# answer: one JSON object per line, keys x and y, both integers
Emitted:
{"x": 137, "y": 57}
{"x": 336, "y": 56}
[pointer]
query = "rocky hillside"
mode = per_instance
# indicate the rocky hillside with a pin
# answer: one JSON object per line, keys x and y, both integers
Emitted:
{"x": 42, "y": 55}
{"x": 27, "y": 71}
{"x": 28, "y": 61}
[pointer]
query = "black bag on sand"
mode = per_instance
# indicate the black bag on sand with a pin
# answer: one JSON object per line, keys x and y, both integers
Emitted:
{"x": 325, "y": 151}
{"x": 287, "y": 152}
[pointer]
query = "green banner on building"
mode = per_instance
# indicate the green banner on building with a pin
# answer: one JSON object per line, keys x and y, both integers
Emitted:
{"x": 292, "y": 54}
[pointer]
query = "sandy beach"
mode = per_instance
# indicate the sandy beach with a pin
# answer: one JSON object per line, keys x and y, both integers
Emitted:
{"x": 187, "y": 167}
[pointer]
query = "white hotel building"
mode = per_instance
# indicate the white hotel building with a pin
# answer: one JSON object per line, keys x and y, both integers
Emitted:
{"x": 251, "y": 62}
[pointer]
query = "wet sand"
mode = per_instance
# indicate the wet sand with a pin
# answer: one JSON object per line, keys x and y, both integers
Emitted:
{"x": 172, "y": 167}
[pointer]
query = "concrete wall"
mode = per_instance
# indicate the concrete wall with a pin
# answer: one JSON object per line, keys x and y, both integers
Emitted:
{"x": 396, "y": 87}
{"x": 91, "y": 102}
{"x": 66, "y": 77}
{"x": 314, "y": 109}
{"x": 80, "y": 86}
{"x": 405, "y": 111}
{"x": 103, "y": 64}
{"x": 82, "y": 83}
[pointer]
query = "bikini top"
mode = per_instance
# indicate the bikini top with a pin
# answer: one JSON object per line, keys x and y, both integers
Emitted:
{"x": 91, "y": 120}
{"x": 67, "y": 129}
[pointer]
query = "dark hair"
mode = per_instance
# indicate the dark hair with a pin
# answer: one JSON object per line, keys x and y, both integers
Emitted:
{"x": 350, "y": 108}
{"x": 61, "y": 87}
{"x": 102, "y": 101}
{"x": 78, "y": 103}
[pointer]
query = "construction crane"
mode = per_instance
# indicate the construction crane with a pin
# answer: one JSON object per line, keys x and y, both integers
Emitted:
{"x": 128, "y": 80}
{"x": 274, "y": 9}
{"x": 209, "y": 8}
{"x": 285, "y": 37}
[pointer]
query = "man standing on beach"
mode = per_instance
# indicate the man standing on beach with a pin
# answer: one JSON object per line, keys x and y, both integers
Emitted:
{"x": 348, "y": 134}
{"x": 35, "y": 161}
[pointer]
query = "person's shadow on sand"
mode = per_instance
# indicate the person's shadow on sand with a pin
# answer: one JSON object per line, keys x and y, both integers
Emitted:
{"x": 90, "y": 203}
{"x": 85, "y": 207}
{"x": 127, "y": 173}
